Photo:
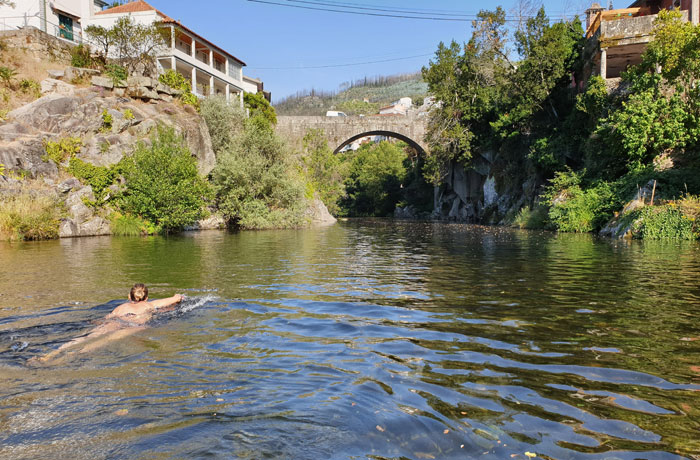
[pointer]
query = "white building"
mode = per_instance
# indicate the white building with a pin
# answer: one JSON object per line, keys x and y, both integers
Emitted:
{"x": 60, "y": 18}
{"x": 210, "y": 69}
{"x": 400, "y": 107}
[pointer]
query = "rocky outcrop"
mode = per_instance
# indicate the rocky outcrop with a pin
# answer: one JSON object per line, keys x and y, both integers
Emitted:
{"x": 77, "y": 112}
{"x": 318, "y": 214}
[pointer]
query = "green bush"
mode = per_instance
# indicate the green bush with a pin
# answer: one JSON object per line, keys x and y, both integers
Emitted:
{"x": 29, "y": 86}
{"x": 324, "y": 171}
{"x": 116, "y": 72}
{"x": 162, "y": 182}
{"x": 7, "y": 74}
{"x": 177, "y": 81}
{"x": 62, "y": 149}
{"x": 128, "y": 115}
{"x": 224, "y": 121}
{"x": 535, "y": 218}
{"x": 129, "y": 225}
{"x": 28, "y": 217}
{"x": 254, "y": 180}
{"x": 666, "y": 222}
{"x": 98, "y": 177}
{"x": 573, "y": 209}
{"x": 376, "y": 174}
{"x": 107, "y": 121}
{"x": 258, "y": 105}
{"x": 80, "y": 57}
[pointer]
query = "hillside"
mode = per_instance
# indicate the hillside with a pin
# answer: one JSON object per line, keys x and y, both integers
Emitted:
{"x": 364, "y": 96}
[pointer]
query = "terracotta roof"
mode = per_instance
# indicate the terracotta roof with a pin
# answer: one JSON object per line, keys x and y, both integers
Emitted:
{"x": 131, "y": 7}
{"x": 140, "y": 6}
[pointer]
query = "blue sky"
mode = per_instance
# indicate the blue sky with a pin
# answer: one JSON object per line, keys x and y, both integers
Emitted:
{"x": 291, "y": 49}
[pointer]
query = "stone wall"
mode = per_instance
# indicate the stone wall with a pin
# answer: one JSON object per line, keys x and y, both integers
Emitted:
{"x": 37, "y": 44}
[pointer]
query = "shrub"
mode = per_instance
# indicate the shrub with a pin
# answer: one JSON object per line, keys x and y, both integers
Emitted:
{"x": 29, "y": 86}
{"x": 323, "y": 170}
{"x": 107, "y": 121}
{"x": 129, "y": 225}
{"x": 27, "y": 217}
{"x": 2, "y": 170}
{"x": 224, "y": 121}
{"x": 573, "y": 209}
{"x": 80, "y": 57}
{"x": 177, "y": 81}
{"x": 258, "y": 105}
{"x": 162, "y": 182}
{"x": 98, "y": 177}
{"x": 534, "y": 218}
{"x": 665, "y": 222}
{"x": 128, "y": 115}
{"x": 116, "y": 72}
{"x": 254, "y": 183}
{"x": 62, "y": 149}
{"x": 7, "y": 74}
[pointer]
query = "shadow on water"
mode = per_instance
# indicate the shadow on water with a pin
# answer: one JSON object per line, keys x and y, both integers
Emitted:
{"x": 370, "y": 339}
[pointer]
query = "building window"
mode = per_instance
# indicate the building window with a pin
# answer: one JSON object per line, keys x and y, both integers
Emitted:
{"x": 65, "y": 27}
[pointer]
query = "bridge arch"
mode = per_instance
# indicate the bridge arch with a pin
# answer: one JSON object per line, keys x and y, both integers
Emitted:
{"x": 384, "y": 133}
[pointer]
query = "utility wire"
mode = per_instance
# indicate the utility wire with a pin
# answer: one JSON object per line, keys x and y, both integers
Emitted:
{"x": 366, "y": 11}
{"x": 341, "y": 65}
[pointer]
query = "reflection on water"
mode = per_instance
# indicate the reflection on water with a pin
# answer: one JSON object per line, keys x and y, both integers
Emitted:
{"x": 368, "y": 339}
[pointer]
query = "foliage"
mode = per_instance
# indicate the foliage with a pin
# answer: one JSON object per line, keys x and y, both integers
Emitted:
{"x": 534, "y": 218}
{"x": 130, "y": 225}
{"x": 116, "y": 72}
{"x": 98, "y": 177}
{"x": 224, "y": 121}
{"x": 177, "y": 81}
{"x": 80, "y": 57}
{"x": 134, "y": 46}
{"x": 29, "y": 217}
{"x": 253, "y": 179}
{"x": 665, "y": 223}
{"x": 107, "y": 121}
{"x": 7, "y": 74}
{"x": 29, "y": 86}
{"x": 128, "y": 115}
{"x": 356, "y": 107}
{"x": 259, "y": 106}
{"x": 2, "y": 170}
{"x": 59, "y": 151}
{"x": 376, "y": 174}
{"x": 573, "y": 209}
{"x": 162, "y": 182}
{"x": 324, "y": 170}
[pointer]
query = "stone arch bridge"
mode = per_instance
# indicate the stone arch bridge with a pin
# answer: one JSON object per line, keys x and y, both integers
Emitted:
{"x": 341, "y": 131}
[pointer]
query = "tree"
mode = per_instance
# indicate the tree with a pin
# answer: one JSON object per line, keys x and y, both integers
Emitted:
{"x": 134, "y": 46}
{"x": 162, "y": 182}
{"x": 323, "y": 169}
{"x": 258, "y": 105}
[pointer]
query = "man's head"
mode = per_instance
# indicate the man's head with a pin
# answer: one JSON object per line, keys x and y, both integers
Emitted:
{"x": 138, "y": 293}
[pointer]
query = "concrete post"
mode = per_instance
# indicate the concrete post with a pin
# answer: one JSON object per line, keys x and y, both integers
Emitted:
{"x": 228, "y": 93}
{"x": 604, "y": 63}
{"x": 194, "y": 80}
{"x": 173, "y": 63}
{"x": 211, "y": 85}
{"x": 226, "y": 67}
{"x": 194, "y": 49}
{"x": 172, "y": 37}
{"x": 211, "y": 58}
{"x": 42, "y": 15}
{"x": 240, "y": 96}
{"x": 695, "y": 12}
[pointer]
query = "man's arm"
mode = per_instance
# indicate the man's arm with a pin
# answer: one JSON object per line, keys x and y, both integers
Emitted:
{"x": 167, "y": 302}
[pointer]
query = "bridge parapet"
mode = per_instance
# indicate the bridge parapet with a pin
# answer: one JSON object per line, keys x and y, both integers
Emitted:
{"x": 340, "y": 131}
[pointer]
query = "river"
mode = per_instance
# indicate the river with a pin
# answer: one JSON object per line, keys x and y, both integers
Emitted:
{"x": 367, "y": 339}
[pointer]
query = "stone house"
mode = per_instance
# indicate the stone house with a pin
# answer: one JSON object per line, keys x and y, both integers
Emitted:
{"x": 616, "y": 39}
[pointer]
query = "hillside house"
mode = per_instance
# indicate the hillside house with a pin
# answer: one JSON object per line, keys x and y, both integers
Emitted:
{"x": 400, "y": 107}
{"x": 64, "y": 19}
{"x": 211, "y": 69}
{"x": 616, "y": 39}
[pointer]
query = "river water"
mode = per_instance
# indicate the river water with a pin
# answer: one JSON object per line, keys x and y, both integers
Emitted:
{"x": 368, "y": 339}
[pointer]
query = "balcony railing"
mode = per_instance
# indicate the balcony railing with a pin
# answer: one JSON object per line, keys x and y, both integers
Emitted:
{"x": 614, "y": 15}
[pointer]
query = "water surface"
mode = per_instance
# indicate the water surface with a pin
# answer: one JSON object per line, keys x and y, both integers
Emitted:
{"x": 369, "y": 339}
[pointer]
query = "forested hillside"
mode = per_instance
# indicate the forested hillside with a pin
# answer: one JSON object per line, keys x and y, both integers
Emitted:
{"x": 363, "y": 96}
